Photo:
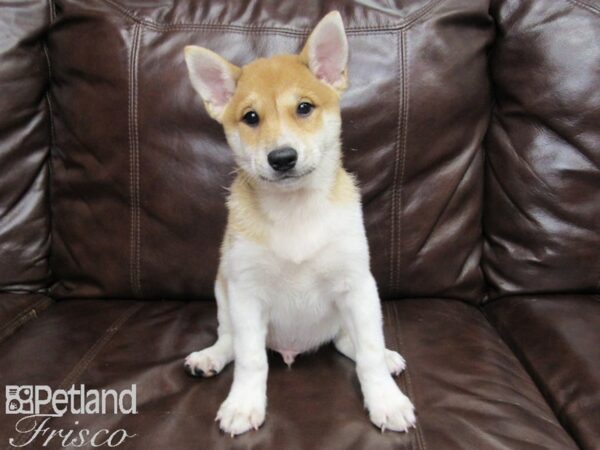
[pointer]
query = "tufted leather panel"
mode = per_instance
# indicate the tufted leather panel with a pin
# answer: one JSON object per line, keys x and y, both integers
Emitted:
{"x": 140, "y": 171}
{"x": 24, "y": 144}
{"x": 542, "y": 207}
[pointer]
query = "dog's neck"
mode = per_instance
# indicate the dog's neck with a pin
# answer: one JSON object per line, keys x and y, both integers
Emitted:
{"x": 292, "y": 223}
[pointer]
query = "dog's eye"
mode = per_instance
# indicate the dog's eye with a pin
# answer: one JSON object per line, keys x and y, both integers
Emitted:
{"x": 250, "y": 118}
{"x": 304, "y": 109}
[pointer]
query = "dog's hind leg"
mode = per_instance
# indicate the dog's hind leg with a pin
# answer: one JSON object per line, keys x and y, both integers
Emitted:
{"x": 211, "y": 360}
{"x": 343, "y": 344}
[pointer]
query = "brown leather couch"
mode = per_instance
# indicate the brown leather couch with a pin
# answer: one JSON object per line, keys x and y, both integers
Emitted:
{"x": 473, "y": 127}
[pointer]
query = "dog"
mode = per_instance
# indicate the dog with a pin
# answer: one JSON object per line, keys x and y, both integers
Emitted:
{"x": 294, "y": 272}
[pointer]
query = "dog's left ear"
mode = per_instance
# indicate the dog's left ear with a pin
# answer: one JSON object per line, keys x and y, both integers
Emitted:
{"x": 326, "y": 52}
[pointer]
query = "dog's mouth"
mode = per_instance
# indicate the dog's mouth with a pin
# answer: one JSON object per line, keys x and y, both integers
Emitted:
{"x": 288, "y": 176}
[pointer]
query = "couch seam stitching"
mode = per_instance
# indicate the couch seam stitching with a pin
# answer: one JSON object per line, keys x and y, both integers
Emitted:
{"x": 95, "y": 349}
{"x": 399, "y": 166}
{"x": 48, "y": 157}
{"x": 134, "y": 270}
{"x": 161, "y": 27}
{"x": 24, "y": 316}
{"x": 403, "y": 153}
{"x": 137, "y": 170}
{"x": 91, "y": 354}
{"x": 48, "y": 99}
{"x": 130, "y": 139}
{"x": 395, "y": 167}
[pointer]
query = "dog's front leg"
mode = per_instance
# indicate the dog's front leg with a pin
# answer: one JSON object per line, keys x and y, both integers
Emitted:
{"x": 244, "y": 408}
{"x": 388, "y": 407}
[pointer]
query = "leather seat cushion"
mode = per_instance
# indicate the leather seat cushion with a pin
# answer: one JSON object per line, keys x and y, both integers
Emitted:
{"x": 469, "y": 389}
{"x": 557, "y": 338}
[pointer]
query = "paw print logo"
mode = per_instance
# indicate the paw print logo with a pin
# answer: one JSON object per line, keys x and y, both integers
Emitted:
{"x": 19, "y": 399}
{"x": 13, "y": 407}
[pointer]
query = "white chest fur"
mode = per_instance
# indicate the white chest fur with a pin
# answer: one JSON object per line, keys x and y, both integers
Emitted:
{"x": 301, "y": 267}
{"x": 301, "y": 225}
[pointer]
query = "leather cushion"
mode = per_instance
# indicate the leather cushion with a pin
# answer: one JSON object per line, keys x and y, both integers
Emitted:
{"x": 469, "y": 389}
{"x": 557, "y": 338}
{"x": 140, "y": 170}
{"x": 24, "y": 147}
{"x": 541, "y": 213}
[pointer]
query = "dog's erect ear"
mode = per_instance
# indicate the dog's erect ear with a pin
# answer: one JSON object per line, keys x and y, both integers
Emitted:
{"x": 212, "y": 77}
{"x": 326, "y": 51}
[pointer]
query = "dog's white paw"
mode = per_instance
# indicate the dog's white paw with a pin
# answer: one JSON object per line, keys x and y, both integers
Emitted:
{"x": 390, "y": 409}
{"x": 205, "y": 363}
{"x": 241, "y": 413}
{"x": 395, "y": 362}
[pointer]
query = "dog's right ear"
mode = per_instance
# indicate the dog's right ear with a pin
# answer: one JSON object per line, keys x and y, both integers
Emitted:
{"x": 212, "y": 77}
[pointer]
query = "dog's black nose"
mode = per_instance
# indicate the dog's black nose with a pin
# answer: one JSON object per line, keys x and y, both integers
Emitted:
{"x": 283, "y": 159}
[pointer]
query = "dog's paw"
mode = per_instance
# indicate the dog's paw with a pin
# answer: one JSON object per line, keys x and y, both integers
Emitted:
{"x": 205, "y": 363}
{"x": 395, "y": 362}
{"x": 392, "y": 410}
{"x": 239, "y": 414}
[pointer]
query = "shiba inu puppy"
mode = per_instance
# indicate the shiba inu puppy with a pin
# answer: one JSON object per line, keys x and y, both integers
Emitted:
{"x": 294, "y": 271}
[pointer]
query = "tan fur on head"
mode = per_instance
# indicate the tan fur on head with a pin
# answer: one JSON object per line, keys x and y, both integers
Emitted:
{"x": 325, "y": 54}
{"x": 273, "y": 88}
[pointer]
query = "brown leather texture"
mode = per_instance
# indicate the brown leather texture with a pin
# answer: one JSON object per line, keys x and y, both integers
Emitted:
{"x": 473, "y": 127}
{"x": 542, "y": 208}
{"x": 557, "y": 338}
{"x": 140, "y": 171}
{"x": 469, "y": 389}
{"x": 24, "y": 147}
{"x": 17, "y": 309}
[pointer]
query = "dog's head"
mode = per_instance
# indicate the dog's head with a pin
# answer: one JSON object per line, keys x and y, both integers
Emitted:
{"x": 281, "y": 115}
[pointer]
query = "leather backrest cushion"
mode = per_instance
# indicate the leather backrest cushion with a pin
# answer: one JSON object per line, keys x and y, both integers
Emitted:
{"x": 24, "y": 147}
{"x": 542, "y": 206}
{"x": 140, "y": 171}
